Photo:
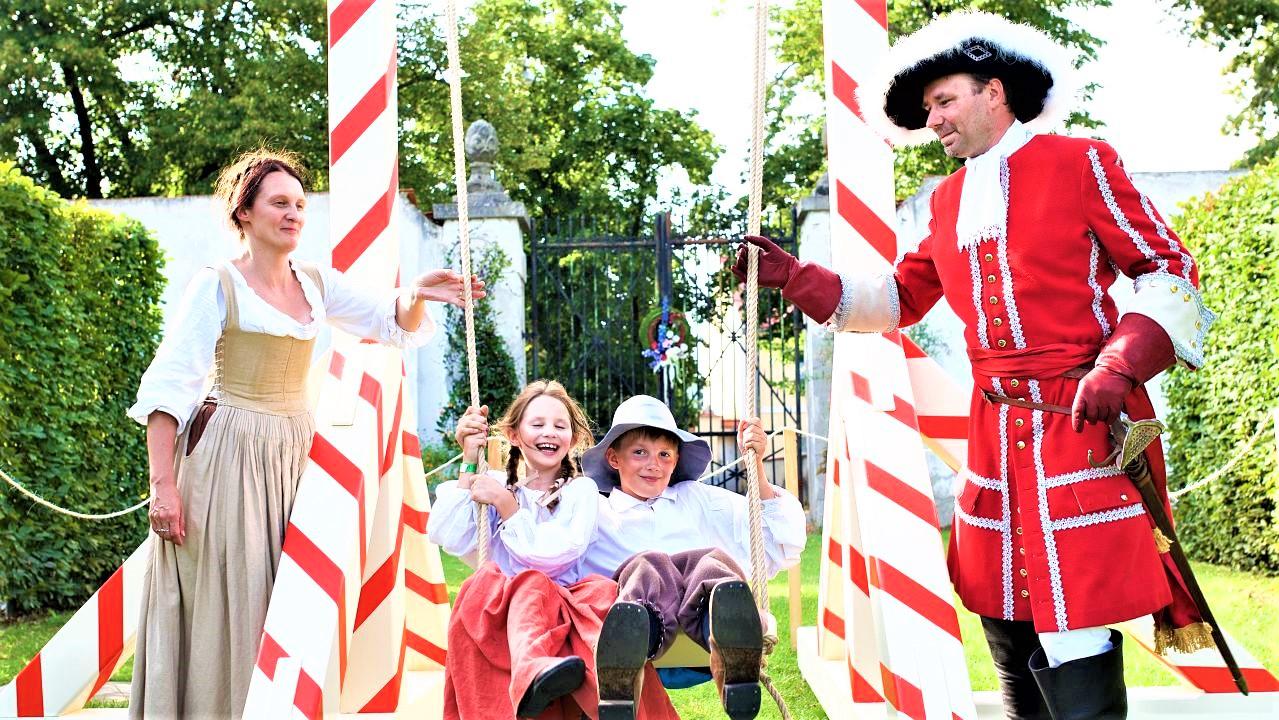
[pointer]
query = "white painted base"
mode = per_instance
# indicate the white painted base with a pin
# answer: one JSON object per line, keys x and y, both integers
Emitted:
{"x": 421, "y": 698}
{"x": 829, "y": 681}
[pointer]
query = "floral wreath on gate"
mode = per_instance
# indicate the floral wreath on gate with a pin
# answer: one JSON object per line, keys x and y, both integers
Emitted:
{"x": 663, "y": 331}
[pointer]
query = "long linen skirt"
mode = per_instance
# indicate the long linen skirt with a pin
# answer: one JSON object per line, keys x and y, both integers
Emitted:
{"x": 204, "y": 602}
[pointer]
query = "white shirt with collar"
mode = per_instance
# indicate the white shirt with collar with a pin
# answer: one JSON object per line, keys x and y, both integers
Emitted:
{"x": 690, "y": 515}
{"x": 534, "y": 538}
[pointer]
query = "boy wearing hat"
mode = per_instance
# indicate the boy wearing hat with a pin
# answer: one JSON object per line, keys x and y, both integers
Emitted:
{"x": 677, "y": 548}
{"x": 1023, "y": 242}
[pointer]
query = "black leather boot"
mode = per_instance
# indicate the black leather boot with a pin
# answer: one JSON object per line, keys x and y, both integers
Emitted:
{"x": 623, "y": 649}
{"x": 1090, "y": 688}
{"x": 552, "y": 684}
{"x": 1011, "y": 644}
{"x": 737, "y": 647}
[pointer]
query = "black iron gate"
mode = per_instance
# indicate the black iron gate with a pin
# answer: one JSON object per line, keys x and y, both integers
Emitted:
{"x": 601, "y": 302}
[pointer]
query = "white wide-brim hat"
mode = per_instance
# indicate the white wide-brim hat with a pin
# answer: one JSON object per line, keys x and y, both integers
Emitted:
{"x": 646, "y": 411}
{"x": 1038, "y": 74}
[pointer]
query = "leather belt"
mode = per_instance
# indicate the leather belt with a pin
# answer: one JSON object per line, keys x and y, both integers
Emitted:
{"x": 1073, "y": 373}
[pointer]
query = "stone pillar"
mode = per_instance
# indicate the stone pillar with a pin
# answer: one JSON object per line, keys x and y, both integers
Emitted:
{"x": 495, "y": 220}
{"x": 819, "y": 346}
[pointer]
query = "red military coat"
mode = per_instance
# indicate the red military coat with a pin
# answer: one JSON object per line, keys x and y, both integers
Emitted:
{"x": 1039, "y": 534}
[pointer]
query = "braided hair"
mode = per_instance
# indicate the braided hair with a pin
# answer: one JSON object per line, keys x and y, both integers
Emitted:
{"x": 578, "y": 423}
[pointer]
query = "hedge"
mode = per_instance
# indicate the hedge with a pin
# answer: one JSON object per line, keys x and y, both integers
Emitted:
{"x": 79, "y": 288}
{"x": 1235, "y": 235}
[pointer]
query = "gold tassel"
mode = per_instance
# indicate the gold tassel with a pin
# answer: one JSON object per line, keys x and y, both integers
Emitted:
{"x": 1162, "y": 542}
{"x": 1195, "y": 636}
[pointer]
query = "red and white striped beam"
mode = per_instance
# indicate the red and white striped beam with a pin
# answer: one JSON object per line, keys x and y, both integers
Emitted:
{"x": 901, "y": 632}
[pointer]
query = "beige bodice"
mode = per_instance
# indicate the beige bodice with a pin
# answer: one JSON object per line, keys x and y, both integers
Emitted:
{"x": 256, "y": 371}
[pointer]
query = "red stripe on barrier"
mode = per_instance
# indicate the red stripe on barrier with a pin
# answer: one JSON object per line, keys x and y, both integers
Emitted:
{"x": 902, "y": 695}
{"x": 415, "y": 519}
{"x": 411, "y": 444}
{"x": 904, "y": 413}
{"x": 331, "y": 460}
{"x": 867, "y": 224}
{"x": 912, "y": 350}
{"x": 357, "y": 120}
{"x": 110, "y": 627}
{"x": 1219, "y": 680}
{"x": 314, "y": 562}
{"x": 863, "y": 691}
{"x": 845, "y": 88}
{"x": 437, "y": 593}
{"x": 269, "y": 653}
{"x": 308, "y": 697}
{"x": 915, "y": 596}
{"x": 877, "y": 9}
{"x": 380, "y": 584}
{"x": 834, "y": 476}
{"x": 861, "y": 388}
{"x": 425, "y": 647}
{"x": 835, "y": 553}
{"x": 833, "y": 623}
{"x": 944, "y": 427}
{"x": 367, "y": 228}
{"x": 336, "y": 364}
{"x": 387, "y": 700}
{"x": 857, "y": 570}
{"x": 910, "y": 499}
{"x": 29, "y": 688}
{"x": 393, "y": 437}
{"x": 344, "y": 17}
{"x": 342, "y": 659}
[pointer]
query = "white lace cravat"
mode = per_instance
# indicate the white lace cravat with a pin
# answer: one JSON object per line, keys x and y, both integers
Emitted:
{"x": 983, "y": 209}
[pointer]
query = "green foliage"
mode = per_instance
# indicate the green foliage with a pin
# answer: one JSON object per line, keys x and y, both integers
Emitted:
{"x": 494, "y": 367}
{"x": 101, "y": 97}
{"x": 566, "y": 95}
{"x": 1248, "y": 30}
{"x": 795, "y": 157}
{"x": 1235, "y": 520}
{"x": 143, "y": 97}
{"x": 80, "y": 289}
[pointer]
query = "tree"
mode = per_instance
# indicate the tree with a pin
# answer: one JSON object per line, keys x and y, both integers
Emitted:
{"x": 1249, "y": 28}
{"x": 566, "y": 95}
{"x": 795, "y": 157}
{"x": 139, "y": 97}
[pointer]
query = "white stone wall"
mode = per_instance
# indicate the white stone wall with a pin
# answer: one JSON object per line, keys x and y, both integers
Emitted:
{"x": 192, "y": 235}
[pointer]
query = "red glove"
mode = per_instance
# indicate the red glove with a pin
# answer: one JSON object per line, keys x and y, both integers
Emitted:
{"x": 812, "y": 288}
{"x": 1139, "y": 350}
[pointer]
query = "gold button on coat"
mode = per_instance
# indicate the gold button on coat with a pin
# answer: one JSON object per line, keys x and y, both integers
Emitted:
{"x": 1025, "y": 593}
{"x": 1021, "y": 444}
{"x": 990, "y": 278}
{"x": 1002, "y": 343}
{"x": 994, "y": 301}
{"x": 989, "y": 257}
{"x": 1019, "y": 422}
{"x": 998, "y": 321}
{"x": 1018, "y": 531}
{"x": 1023, "y": 572}
{"x": 1014, "y": 382}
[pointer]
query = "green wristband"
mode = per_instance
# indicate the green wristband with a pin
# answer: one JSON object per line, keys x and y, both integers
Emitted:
{"x": 468, "y": 467}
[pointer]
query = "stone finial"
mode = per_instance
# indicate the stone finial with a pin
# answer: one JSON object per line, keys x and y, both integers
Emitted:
{"x": 481, "y": 142}
{"x": 481, "y": 151}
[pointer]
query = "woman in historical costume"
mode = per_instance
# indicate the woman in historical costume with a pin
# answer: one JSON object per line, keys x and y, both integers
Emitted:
{"x": 225, "y": 470}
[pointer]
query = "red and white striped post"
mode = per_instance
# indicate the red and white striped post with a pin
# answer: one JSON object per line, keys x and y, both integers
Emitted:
{"x": 901, "y": 632}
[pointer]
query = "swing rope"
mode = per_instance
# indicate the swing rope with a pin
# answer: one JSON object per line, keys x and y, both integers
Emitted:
{"x": 454, "y": 75}
{"x": 759, "y": 579}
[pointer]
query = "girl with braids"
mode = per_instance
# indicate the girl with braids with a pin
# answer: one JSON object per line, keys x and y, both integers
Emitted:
{"x": 526, "y": 619}
{"x": 225, "y": 470}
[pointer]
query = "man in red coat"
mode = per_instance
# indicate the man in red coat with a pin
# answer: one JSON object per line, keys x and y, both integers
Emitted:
{"x": 1024, "y": 241}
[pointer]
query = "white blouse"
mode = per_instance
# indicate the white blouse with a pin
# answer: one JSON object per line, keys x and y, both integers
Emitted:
{"x": 691, "y": 515}
{"x": 176, "y": 380}
{"x": 534, "y": 538}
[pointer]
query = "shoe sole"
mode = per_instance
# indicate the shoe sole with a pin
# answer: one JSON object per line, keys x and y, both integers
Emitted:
{"x": 564, "y": 678}
{"x": 739, "y": 639}
{"x": 619, "y": 659}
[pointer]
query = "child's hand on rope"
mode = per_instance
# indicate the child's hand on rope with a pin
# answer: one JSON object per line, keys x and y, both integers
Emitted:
{"x": 490, "y": 490}
{"x": 445, "y": 286}
{"x": 751, "y": 436}
{"x": 166, "y": 513}
{"x": 472, "y": 434}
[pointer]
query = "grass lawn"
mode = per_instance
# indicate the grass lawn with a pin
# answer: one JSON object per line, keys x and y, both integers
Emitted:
{"x": 1247, "y": 604}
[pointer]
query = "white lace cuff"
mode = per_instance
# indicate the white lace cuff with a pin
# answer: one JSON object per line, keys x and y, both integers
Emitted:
{"x": 396, "y": 336}
{"x": 1177, "y": 306}
{"x": 866, "y": 304}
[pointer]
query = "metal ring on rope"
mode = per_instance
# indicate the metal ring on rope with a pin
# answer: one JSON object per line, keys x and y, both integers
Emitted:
{"x": 454, "y": 75}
